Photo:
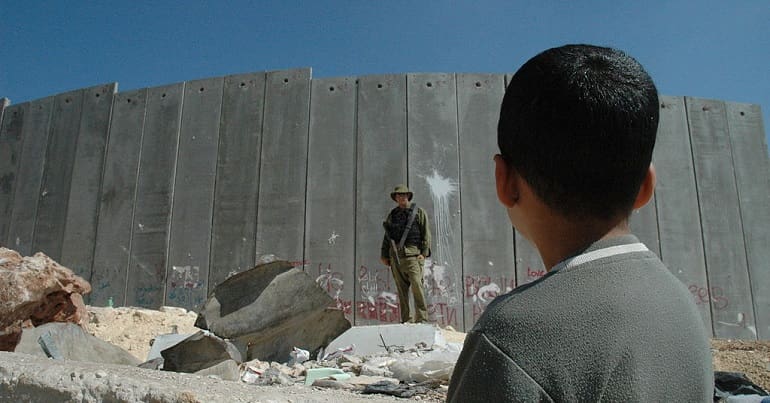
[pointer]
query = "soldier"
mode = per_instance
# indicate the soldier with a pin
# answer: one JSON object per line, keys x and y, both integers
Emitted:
{"x": 405, "y": 246}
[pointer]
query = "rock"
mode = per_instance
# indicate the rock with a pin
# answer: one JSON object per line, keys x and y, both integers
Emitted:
{"x": 273, "y": 376}
{"x": 199, "y": 351}
{"x": 271, "y": 309}
{"x": 226, "y": 370}
{"x": 71, "y": 342}
{"x": 37, "y": 290}
{"x": 164, "y": 341}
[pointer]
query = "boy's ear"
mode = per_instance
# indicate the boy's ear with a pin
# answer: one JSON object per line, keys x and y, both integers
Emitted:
{"x": 646, "y": 189}
{"x": 505, "y": 180}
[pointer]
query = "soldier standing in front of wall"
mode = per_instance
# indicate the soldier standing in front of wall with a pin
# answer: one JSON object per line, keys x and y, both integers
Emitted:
{"x": 405, "y": 246}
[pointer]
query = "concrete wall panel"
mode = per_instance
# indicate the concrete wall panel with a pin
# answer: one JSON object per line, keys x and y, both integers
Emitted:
{"x": 154, "y": 192}
{"x": 434, "y": 177}
{"x": 487, "y": 234}
{"x": 57, "y": 176}
{"x": 747, "y": 140}
{"x": 681, "y": 242}
{"x": 10, "y": 150}
{"x": 189, "y": 250}
{"x": 118, "y": 194}
{"x": 330, "y": 226}
{"x": 381, "y": 165}
{"x": 730, "y": 291}
{"x": 283, "y": 171}
{"x": 82, "y": 212}
{"x": 235, "y": 202}
{"x": 21, "y": 227}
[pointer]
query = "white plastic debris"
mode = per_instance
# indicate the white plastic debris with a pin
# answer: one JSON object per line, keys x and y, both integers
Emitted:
{"x": 298, "y": 356}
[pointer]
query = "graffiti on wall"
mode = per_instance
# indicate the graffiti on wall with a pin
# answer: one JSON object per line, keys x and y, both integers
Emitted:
{"x": 185, "y": 285}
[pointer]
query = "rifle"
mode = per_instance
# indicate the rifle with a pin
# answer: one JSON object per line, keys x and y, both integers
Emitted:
{"x": 394, "y": 248}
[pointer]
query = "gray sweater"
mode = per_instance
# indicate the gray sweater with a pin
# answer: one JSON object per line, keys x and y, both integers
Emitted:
{"x": 612, "y": 325}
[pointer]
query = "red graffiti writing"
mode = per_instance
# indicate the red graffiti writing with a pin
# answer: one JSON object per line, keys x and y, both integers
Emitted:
{"x": 714, "y": 294}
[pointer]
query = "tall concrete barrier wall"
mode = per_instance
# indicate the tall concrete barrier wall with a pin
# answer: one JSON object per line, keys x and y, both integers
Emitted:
{"x": 158, "y": 194}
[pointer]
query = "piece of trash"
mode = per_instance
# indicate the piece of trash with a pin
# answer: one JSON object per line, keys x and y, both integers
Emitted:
{"x": 298, "y": 356}
{"x": 321, "y": 373}
{"x": 338, "y": 353}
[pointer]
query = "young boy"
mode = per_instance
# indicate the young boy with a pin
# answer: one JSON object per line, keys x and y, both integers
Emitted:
{"x": 608, "y": 322}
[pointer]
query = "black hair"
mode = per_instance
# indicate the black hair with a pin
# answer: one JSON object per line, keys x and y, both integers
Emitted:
{"x": 578, "y": 123}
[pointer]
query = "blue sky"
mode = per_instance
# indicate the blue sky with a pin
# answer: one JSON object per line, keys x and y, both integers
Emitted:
{"x": 709, "y": 49}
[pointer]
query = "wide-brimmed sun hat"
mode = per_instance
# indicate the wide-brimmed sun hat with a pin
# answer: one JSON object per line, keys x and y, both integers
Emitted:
{"x": 401, "y": 189}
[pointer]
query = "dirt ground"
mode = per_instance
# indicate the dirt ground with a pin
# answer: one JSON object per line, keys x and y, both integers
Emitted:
{"x": 134, "y": 328}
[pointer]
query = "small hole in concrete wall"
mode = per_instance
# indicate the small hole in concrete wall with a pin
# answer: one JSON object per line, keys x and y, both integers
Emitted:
{"x": 163, "y": 95}
{"x": 705, "y": 108}
{"x": 200, "y": 90}
{"x": 66, "y": 101}
{"x": 97, "y": 95}
{"x": 356, "y": 81}
{"x": 331, "y": 89}
{"x": 243, "y": 84}
{"x": 429, "y": 85}
{"x": 662, "y": 106}
{"x": 379, "y": 85}
{"x": 128, "y": 100}
{"x": 742, "y": 113}
{"x": 286, "y": 80}
{"x": 478, "y": 84}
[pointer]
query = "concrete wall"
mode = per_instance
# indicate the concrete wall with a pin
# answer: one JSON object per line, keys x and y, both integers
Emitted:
{"x": 158, "y": 194}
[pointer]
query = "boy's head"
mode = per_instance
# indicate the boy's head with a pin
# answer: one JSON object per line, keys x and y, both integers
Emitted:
{"x": 578, "y": 123}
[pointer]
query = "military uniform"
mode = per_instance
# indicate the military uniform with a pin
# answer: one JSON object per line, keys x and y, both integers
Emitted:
{"x": 407, "y": 268}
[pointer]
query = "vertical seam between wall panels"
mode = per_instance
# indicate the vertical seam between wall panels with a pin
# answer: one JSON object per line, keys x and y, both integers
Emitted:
{"x": 459, "y": 195}
{"x": 307, "y": 169}
{"x": 173, "y": 193}
{"x": 101, "y": 183}
{"x": 355, "y": 200}
{"x": 406, "y": 125}
{"x": 214, "y": 195}
{"x": 136, "y": 193}
{"x": 33, "y": 235}
{"x": 259, "y": 164}
{"x": 686, "y": 102}
{"x": 740, "y": 218}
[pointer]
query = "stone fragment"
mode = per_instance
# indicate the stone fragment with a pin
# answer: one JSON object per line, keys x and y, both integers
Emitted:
{"x": 368, "y": 340}
{"x": 226, "y": 370}
{"x": 37, "y": 290}
{"x": 273, "y": 376}
{"x": 271, "y": 309}
{"x": 72, "y": 343}
{"x": 164, "y": 341}
{"x": 199, "y": 351}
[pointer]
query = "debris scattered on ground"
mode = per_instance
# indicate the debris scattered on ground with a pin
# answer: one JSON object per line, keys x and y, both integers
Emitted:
{"x": 37, "y": 290}
{"x": 271, "y": 309}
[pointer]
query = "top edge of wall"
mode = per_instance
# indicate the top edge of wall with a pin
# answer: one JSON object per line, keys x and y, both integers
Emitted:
{"x": 5, "y": 102}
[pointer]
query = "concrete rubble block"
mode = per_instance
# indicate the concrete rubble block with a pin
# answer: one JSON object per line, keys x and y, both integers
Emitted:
{"x": 164, "y": 341}
{"x": 368, "y": 340}
{"x": 37, "y": 290}
{"x": 69, "y": 341}
{"x": 271, "y": 309}
{"x": 199, "y": 351}
{"x": 226, "y": 370}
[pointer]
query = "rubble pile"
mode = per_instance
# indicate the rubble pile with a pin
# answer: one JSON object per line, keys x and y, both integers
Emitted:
{"x": 37, "y": 290}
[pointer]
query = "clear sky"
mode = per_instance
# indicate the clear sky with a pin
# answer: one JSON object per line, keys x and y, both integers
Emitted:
{"x": 706, "y": 48}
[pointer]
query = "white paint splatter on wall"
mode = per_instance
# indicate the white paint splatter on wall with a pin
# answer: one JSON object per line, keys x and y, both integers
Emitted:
{"x": 440, "y": 190}
{"x": 333, "y": 238}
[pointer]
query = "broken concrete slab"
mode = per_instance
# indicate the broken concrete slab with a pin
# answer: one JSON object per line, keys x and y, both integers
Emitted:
{"x": 368, "y": 340}
{"x": 226, "y": 370}
{"x": 199, "y": 351}
{"x": 271, "y": 309}
{"x": 37, "y": 290}
{"x": 71, "y": 342}
{"x": 164, "y": 341}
